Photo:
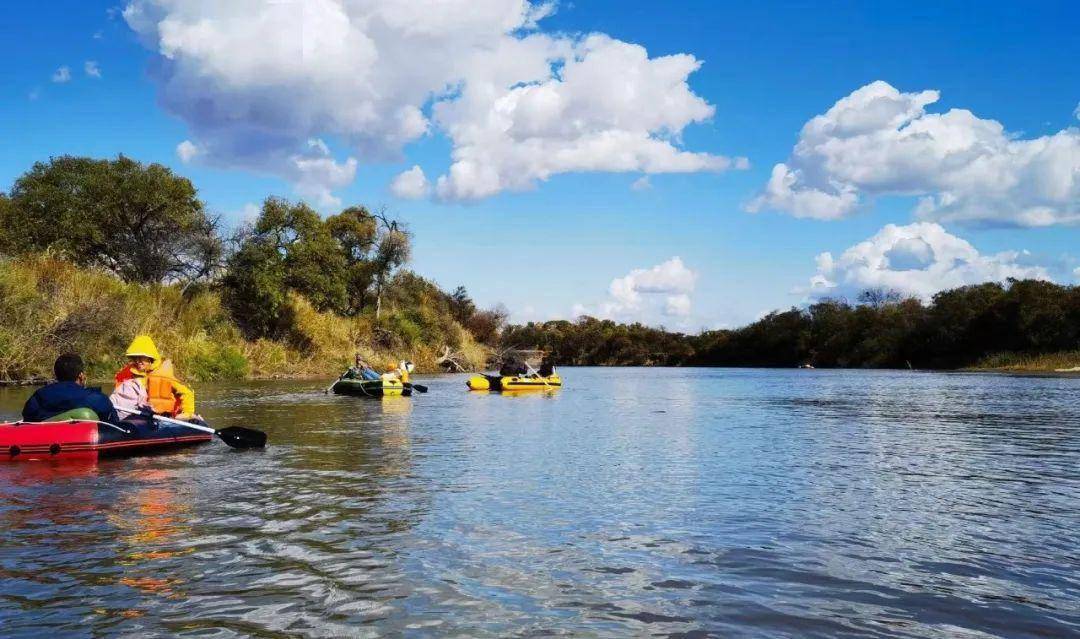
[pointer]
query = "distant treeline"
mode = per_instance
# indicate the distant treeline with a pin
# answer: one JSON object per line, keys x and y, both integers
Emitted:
{"x": 960, "y": 327}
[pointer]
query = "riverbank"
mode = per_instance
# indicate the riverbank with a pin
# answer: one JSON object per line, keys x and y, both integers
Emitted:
{"x": 1060, "y": 362}
{"x": 49, "y": 306}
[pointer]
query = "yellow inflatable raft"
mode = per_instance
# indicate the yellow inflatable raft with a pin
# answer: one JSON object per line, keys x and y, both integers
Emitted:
{"x": 514, "y": 383}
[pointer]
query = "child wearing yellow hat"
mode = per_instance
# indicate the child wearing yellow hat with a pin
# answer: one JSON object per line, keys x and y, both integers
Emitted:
{"x": 148, "y": 382}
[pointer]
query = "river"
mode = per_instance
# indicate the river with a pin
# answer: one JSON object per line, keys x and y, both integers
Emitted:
{"x": 633, "y": 502}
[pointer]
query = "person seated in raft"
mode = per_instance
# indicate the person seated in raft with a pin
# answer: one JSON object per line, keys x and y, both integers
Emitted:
{"x": 67, "y": 393}
{"x": 148, "y": 382}
{"x": 401, "y": 373}
{"x": 547, "y": 366}
{"x": 513, "y": 368}
{"x": 361, "y": 370}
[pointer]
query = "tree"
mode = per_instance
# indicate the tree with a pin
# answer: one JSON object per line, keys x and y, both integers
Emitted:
{"x": 878, "y": 297}
{"x": 288, "y": 248}
{"x": 254, "y": 290}
{"x": 141, "y": 222}
{"x": 487, "y": 325}
{"x": 393, "y": 249}
{"x": 461, "y": 305}
{"x": 356, "y": 231}
{"x": 6, "y": 224}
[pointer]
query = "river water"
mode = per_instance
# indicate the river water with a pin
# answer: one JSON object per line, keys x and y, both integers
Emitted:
{"x": 633, "y": 502}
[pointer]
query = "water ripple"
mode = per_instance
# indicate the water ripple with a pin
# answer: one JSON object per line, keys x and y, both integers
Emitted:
{"x": 669, "y": 503}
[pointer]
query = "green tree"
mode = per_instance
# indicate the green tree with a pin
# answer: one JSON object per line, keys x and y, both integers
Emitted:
{"x": 140, "y": 221}
{"x": 356, "y": 231}
{"x": 393, "y": 249}
{"x": 253, "y": 289}
{"x": 289, "y": 247}
{"x": 461, "y": 305}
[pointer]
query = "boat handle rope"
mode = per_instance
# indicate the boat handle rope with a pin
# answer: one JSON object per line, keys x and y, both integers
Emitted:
{"x": 122, "y": 430}
{"x": 76, "y": 421}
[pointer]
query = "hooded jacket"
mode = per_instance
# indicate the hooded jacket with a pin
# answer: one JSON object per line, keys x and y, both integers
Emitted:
{"x": 61, "y": 397}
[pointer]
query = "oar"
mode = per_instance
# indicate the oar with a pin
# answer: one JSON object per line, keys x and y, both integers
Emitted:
{"x": 420, "y": 388}
{"x": 331, "y": 387}
{"x": 235, "y": 436}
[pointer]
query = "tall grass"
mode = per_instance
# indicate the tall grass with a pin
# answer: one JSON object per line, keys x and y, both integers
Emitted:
{"x": 1030, "y": 362}
{"x": 48, "y": 306}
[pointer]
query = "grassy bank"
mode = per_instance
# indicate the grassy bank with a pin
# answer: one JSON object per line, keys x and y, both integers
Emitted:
{"x": 1034, "y": 363}
{"x": 48, "y": 306}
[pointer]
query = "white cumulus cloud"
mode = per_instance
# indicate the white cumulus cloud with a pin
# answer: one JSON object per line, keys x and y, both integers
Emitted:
{"x": 677, "y": 305}
{"x": 317, "y": 177}
{"x": 918, "y": 260}
{"x": 411, "y": 184}
{"x": 186, "y": 151}
{"x": 598, "y": 111}
{"x": 518, "y": 105}
{"x": 92, "y": 70}
{"x": 879, "y": 141}
{"x": 647, "y": 294}
{"x": 61, "y": 75}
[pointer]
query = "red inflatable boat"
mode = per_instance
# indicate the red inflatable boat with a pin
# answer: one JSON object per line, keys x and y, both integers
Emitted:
{"x": 89, "y": 440}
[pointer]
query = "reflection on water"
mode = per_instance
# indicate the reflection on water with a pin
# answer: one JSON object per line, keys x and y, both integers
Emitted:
{"x": 674, "y": 503}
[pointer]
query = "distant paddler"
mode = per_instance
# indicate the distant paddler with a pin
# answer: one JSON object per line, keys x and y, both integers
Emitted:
{"x": 362, "y": 379}
{"x": 402, "y": 374}
{"x": 360, "y": 370}
{"x": 516, "y": 373}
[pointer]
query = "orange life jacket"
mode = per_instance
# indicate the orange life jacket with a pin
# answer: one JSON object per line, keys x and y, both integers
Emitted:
{"x": 160, "y": 391}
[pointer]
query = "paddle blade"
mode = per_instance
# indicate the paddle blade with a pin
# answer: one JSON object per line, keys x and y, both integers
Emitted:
{"x": 240, "y": 437}
{"x": 420, "y": 388}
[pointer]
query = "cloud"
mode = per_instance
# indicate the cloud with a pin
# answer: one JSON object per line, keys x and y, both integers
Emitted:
{"x": 411, "y": 184}
{"x": 677, "y": 305}
{"x": 641, "y": 184}
{"x": 91, "y": 68}
{"x": 186, "y": 151}
{"x": 917, "y": 260}
{"x": 879, "y": 141}
{"x": 315, "y": 175}
{"x": 61, "y": 75}
{"x": 646, "y": 295}
{"x": 518, "y": 105}
{"x": 596, "y": 110}
{"x": 249, "y": 213}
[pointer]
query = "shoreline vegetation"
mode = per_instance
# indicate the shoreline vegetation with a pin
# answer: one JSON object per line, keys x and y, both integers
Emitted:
{"x": 1015, "y": 326}
{"x": 93, "y": 252}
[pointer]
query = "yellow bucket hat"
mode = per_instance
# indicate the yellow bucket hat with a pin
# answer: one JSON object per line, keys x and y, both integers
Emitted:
{"x": 144, "y": 346}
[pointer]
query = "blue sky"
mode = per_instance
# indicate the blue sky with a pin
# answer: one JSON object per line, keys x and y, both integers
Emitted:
{"x": 588, "y": 239}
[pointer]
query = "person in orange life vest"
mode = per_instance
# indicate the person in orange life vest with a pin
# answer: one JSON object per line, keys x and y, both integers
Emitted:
{"x": 148, "y": 381}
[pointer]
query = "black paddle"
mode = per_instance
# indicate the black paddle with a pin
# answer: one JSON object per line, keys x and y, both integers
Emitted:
{"x": 327, "y": 391}
{"x": 234, "y": 436}
{"x": 420, "y": 388}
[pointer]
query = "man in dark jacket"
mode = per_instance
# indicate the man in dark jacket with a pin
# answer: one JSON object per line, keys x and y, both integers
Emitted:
{"x": 67, "y": 393}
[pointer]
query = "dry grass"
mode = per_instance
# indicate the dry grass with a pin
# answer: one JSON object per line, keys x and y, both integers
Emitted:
{"x": 48, "y": 306}
{"x": 1030, "y": 362}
